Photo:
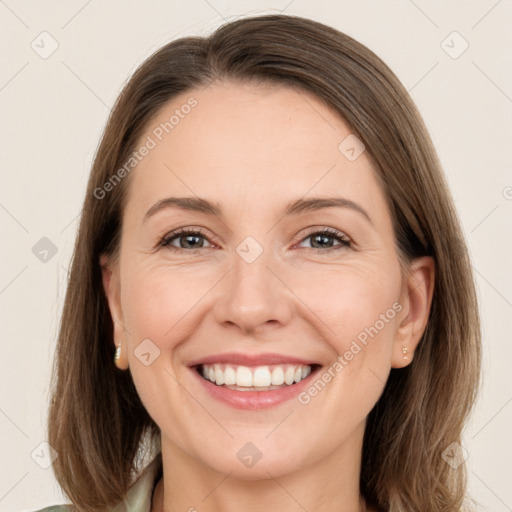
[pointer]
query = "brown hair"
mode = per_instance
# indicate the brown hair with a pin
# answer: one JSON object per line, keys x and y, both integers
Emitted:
{"x": 96, "y": 419}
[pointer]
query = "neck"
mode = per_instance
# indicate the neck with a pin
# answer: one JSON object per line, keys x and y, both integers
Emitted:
{"x": 331, "y": 484}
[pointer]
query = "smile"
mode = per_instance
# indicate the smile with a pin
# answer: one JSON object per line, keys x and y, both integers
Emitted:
{"x": 254, "y": 387}
{"x": 259, "y": 378}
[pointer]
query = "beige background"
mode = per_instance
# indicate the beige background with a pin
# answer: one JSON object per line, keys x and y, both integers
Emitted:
{"x": 52, "y": 113}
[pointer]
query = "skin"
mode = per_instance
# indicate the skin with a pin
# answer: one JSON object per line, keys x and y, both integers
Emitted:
{"x": 252, "y": 149}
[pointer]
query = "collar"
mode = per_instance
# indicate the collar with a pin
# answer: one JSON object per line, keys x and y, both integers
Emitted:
{"x": 140, "y": 494}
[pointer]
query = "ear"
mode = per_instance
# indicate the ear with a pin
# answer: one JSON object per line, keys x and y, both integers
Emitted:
{"x": 416, "y": 299}
{"x": 111, "y": 286}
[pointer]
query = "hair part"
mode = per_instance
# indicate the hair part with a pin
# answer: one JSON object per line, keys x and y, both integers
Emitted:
{"x": 97, "y": 422}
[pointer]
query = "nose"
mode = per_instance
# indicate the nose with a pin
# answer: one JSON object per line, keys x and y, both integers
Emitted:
{"x": 253, "y": 296}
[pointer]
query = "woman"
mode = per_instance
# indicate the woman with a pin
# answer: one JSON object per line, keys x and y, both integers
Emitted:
{"x": 269, "y": 252}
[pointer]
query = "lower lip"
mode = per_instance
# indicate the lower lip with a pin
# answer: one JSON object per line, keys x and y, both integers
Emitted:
{"x": 254, "y": 400}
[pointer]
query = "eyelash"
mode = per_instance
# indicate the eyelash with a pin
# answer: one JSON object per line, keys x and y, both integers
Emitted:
{"x": 345, "y": 242}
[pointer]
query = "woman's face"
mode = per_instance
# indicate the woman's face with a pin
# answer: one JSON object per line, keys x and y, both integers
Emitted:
{"x": 258, "y": 281}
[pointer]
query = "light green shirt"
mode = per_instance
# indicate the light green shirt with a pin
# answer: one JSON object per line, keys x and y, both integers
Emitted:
{"x": 139, "y": 496}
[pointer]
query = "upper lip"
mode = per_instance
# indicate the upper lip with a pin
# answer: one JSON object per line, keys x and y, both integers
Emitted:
{"x": 251, "y": 360}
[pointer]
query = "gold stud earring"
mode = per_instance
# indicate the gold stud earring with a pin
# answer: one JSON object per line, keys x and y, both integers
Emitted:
{"x": 117, "y": 355}
{"x": 404, "y": 351}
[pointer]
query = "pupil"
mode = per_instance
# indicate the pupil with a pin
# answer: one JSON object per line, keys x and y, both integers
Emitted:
{"x": 188, "y": 238}
{"x": 324, "y": 237}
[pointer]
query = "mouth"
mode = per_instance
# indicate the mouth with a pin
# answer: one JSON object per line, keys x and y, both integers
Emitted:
{"x": 255, "y": 378}
{"x": 253, "y": 381}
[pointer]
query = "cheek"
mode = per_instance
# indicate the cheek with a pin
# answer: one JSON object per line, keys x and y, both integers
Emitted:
{"x": 367, "y": 322}
{"x": 160, "y": 307}
{"x": 158, "y": 299}
{"x": 353, "y": 303}
{"x": 359, "y": 312}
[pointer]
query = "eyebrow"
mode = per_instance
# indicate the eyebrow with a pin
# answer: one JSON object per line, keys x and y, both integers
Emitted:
{"x": 296, "y": 207}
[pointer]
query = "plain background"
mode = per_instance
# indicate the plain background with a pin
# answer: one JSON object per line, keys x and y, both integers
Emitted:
{"x": 53, "y": 111}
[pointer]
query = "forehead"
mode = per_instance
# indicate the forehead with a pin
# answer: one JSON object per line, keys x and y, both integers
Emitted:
{"x": 242, "y": 143}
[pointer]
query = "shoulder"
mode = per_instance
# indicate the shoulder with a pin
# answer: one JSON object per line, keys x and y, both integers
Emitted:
{"x": 56, "y": 508}
{"x": 139, "y": 496}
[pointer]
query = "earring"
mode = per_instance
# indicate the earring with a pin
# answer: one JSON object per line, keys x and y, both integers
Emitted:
{"x": 117, "y": 355}
{"x": 404, "y": 351}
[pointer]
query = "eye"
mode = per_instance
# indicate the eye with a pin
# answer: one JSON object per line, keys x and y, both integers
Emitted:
{"x": 322, "y": 240}
{"x": 192, "y": 240}
{"x": 187, "y": 239}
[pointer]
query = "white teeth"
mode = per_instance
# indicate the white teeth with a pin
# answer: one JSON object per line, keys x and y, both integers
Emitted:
{"x": 289, "y": 375}
{"x": 229, "y": 376}
{"x": 261, "y": 377}
{"x": 219, "y": 375}
{"x": 255, "y": 377}
{"x": 243, "y": 376}
{"x": 277, "y": 376}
